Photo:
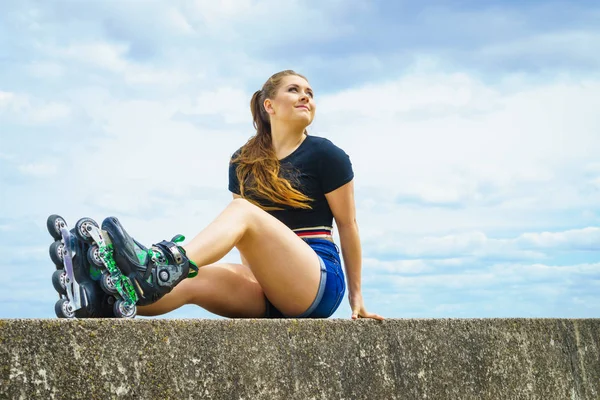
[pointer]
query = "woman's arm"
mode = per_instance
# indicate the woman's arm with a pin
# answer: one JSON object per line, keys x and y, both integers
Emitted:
{"x": 341, "y": 202}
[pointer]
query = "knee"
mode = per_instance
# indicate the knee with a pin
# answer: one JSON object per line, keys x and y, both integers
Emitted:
{"x": 244, "y": 206}
{"x": 247, "y": 212}
{"x": 240, "y": 202}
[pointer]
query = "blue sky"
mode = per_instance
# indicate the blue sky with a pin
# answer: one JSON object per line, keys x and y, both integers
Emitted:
{"x": 473, "y": 128}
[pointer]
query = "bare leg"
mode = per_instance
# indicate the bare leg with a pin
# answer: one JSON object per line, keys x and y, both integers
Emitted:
{"x": 228, "y": 290}
{"x": 285, "y": 267}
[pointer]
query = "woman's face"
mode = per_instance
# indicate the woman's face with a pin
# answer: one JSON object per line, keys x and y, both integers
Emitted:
{"x": 293, "y": 102}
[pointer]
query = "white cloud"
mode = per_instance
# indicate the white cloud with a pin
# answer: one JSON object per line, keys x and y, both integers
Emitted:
{"x": 425, "y": 92}
{"x": 39, "y": 169}
{"x": 455, "y": 118}
{"x": 150, "y": 76}
{"x": 478, "y": 246}
{"x": 5, "y": 98}
{"x": 585, "y": 239}
{"x": 112, "y": 58}
{"x": 230, "y": 104}
{"x": 414, "y": 266}
{"x": 49, "y": 112}
{"x": 28, "y": 109}
{"x": 98, "y": 54}
{"x": 46, "y": 70}
{"x": 498, "y": 275}
{"x": 178, "y": 22}
{"x": 252, "y": 22}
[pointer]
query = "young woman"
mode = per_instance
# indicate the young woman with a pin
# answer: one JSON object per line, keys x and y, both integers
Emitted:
{"x": 287, "y": 188}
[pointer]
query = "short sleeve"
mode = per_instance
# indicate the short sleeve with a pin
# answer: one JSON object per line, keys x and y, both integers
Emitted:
{"x": 234, "y": 184}
{"x": 336, "y": 167}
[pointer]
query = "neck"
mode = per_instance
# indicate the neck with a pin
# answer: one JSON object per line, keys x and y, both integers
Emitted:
{"x": 286, "y": 139}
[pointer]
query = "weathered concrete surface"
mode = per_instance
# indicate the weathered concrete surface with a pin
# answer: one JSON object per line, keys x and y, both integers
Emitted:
{"x": 300, "y": 359}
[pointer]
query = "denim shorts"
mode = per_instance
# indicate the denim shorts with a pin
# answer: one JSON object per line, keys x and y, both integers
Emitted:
{"x": 331, "y": 288}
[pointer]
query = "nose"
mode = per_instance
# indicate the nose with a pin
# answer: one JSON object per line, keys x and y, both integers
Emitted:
{"x": 304, "y": 97}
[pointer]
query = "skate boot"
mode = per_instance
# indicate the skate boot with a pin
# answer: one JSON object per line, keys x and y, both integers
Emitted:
{"x": 153, "y": 271}
{"x": 75, "y": 278}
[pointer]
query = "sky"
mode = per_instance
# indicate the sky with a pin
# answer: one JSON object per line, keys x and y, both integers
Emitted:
{"x": 473, "y": 129}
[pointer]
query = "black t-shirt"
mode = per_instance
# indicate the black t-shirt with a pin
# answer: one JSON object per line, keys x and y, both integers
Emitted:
{"x": 316, "y": 167}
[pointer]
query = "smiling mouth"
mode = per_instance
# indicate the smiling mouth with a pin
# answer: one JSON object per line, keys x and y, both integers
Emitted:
{"x": 304, "y": 107}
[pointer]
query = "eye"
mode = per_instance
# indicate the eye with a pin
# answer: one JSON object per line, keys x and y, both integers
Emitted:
{"x": 293, "y": 88}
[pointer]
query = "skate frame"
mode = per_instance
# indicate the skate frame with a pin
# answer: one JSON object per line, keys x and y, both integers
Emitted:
{"x": 122, "y": 283}
{"x": 73, "y": 292}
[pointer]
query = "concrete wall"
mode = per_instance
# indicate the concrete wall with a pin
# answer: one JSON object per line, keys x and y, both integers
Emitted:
{"x": 300, "y": 359}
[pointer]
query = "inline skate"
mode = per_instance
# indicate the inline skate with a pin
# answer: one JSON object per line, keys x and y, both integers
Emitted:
{"x": 89, "y": 258}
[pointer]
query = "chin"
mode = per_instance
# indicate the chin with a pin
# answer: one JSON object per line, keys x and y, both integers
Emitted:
{"x": 304, "y": 121}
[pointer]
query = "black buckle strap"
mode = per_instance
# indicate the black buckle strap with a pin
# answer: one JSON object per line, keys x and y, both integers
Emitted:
{"x": 174, "y": 251}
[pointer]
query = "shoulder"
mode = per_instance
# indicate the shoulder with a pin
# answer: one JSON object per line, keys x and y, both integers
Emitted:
{"x": 324, "y": 145}
{"x": 328, "y": 150}
{"x": 335, "y": 167}
{"x": 235, "y": 155}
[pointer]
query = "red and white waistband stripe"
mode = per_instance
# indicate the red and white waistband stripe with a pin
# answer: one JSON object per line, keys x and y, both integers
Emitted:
{"x": 315, "y": 231}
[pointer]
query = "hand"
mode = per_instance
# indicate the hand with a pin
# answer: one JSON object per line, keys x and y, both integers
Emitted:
{"x": 358, "y": 309}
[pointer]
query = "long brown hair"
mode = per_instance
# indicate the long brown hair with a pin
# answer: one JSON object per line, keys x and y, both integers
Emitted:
{"x": 258, "y": 167}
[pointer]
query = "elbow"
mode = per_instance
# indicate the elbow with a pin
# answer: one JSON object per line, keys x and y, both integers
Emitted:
{"x": 345, "y": 224}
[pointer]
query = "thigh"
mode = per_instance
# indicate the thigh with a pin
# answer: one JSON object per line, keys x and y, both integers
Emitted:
{"x": 286, "y": 268}
{"x": 228, "y": 290}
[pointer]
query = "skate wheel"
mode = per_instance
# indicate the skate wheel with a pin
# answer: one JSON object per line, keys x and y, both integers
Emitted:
{"x": 93, "y": 255}
{"x": 57, "y": 253}
{"x": 83, "y": 227}
{"x": 54, "y": 225}
{"x": 63, "y": 309}
{"x": 121, "y": 309}
{"x": 59, "y": 281}
{"x": 107, "y": 284}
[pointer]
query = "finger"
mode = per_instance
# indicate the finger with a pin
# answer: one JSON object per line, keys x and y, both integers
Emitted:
{"x": 376, "y": 316}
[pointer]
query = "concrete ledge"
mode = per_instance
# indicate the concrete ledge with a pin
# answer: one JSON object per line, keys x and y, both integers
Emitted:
{"x": 300, "y": 359}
